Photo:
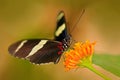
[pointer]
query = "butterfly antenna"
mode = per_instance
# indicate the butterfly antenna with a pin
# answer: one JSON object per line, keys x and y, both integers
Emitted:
{"x": 73, "y": 27}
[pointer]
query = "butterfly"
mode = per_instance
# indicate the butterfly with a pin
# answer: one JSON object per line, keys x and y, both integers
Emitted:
{"x": 44, "y": 50}
{"x": 40, "y": 51}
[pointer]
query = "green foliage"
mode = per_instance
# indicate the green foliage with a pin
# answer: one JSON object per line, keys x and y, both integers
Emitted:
{"x": 108, "y": 62}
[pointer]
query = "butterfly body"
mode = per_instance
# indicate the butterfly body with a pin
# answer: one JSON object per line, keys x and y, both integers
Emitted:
{"x": 44, "y": 50}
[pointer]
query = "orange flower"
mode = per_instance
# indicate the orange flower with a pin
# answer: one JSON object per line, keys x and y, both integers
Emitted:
{"x": 79, "y": 54}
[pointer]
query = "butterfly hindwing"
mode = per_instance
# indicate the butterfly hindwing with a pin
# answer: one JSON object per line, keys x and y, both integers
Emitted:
{"x": 37, "y": 51}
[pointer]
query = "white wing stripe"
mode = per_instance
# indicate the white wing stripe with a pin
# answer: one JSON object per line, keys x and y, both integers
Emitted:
{"x": 37, "y": 47}
{"x": 60, "y": 16}
{"x": 60, "y": 30}
{"x": 20, "y": 46}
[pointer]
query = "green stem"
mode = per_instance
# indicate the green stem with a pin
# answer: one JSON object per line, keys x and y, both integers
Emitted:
{"x": 88, "y": 64}
{"x": 97, "y": 72}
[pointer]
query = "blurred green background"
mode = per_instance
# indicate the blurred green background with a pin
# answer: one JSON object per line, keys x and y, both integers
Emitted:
{"x": 22, "y": 19}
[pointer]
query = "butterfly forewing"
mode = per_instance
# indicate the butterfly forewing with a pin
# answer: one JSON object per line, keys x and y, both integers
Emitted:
{"x": 22, "y": 48}
{"x": 61, "y": 29}
{"x": 37, "y": 50}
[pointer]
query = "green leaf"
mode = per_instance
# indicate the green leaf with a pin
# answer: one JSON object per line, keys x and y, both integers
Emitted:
{"x": 108, "y": 62}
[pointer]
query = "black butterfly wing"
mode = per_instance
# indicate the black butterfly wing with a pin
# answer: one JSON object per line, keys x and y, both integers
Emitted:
{"x": 51, "y": 52}
{"x": 61, "y": 27}
{"x": 37, "y": 51}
